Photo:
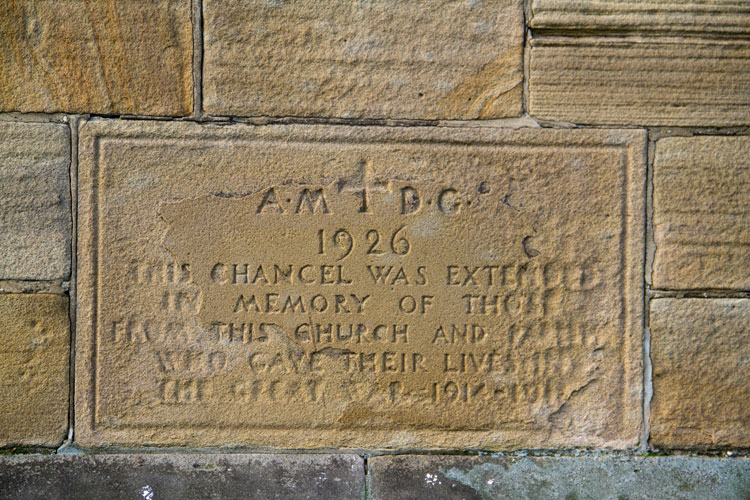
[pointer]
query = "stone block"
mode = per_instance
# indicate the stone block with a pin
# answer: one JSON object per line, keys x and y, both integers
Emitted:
{"x": 701, "y": 215}
{"x": 700, "y": 352}
{"x": 35, "y": 350}
{"x": 182, "y": 477}
{"x": 428, "y": 60}
{"x": 308, "y": 286}
{"x": 35, "y": 222}
{"x": 702, "y": 17}
{"x": 600, "y": 81}
{"x": 544, "y": 478}
{"x": 78, "y": 56}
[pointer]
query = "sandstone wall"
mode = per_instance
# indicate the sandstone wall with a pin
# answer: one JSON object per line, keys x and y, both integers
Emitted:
{"x": 375, "y": 249}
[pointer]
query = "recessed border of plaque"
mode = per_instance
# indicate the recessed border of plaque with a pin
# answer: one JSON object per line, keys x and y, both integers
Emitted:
{"x": 113, "y": 144}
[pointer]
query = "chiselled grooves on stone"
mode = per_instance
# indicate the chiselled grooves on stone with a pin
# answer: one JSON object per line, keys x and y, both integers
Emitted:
{"x": 701, "y": 214}
{"x": 600, "y": 81}
{"x": 716, "y": 17}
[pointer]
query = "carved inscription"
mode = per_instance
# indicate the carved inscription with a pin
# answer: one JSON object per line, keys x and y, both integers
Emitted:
{"x": 485, "y": 300}
{"x": 381, "y": 289}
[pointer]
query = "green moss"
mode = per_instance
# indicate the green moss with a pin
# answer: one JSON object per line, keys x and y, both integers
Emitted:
{"x": 25, "y": 450}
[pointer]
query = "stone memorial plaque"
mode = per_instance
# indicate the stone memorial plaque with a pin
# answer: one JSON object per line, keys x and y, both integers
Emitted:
{"x": 321, "y": 286}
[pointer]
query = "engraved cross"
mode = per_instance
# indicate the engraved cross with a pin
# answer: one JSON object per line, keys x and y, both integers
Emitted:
{"x": 362, "y": 183}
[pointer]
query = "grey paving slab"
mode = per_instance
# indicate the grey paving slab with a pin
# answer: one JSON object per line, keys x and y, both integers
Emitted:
{"x": 195, "y": 477}
{"x": 485, "y": 478}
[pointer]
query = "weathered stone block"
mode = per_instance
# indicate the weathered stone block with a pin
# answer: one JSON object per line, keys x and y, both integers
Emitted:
{"x": 308, "y": 286}
{"x": 183, "y": 477}
{"x": 699, "y": 350}
{"x": 119, "y": 57}
{"x": 34, "y": 201}
{"x": 600, "y": 81}
{"x": 427, "y": 60}
{"x": 701, "y": 216}
{"x": 513, "y": 478}
{"x": 35, "y": 349}
{"x": 642, "y": 16}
